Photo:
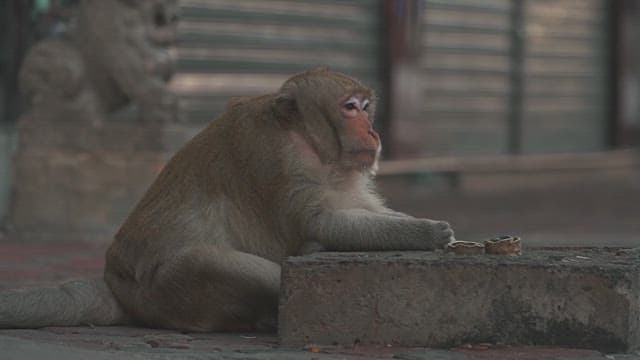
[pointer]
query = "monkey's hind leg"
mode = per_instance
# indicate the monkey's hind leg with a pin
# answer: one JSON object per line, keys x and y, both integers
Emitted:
{"x": 208, "y": 288}
{"x": 81, "y": 302}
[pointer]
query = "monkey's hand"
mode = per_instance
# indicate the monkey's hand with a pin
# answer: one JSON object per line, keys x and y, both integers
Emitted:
{"x": 439, "y": 233}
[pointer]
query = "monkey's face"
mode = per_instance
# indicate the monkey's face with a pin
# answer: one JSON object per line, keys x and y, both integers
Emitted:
{"x": 360, "y": 142}
{"x": 334, "y": 113}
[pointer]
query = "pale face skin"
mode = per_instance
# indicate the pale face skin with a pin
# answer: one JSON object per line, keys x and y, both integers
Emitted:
{"x": 355, "y": 112}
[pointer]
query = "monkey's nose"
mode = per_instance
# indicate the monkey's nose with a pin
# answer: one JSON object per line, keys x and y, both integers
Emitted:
{"x": 374, "y": 134}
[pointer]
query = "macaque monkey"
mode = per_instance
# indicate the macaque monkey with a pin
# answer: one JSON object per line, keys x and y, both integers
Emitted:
{"x": 276, "y": 175}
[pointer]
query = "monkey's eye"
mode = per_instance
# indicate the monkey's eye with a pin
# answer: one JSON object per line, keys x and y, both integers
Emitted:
{"x": 365, "y": 105}
{"x": 351, "y": 106}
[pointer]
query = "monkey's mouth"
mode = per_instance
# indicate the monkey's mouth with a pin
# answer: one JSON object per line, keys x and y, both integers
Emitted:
{"x": 363, "y": 158}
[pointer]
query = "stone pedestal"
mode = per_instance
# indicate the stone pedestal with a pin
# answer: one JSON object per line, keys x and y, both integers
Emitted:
{"x": 580, "y": 298}
{"x": 76, "y": 181}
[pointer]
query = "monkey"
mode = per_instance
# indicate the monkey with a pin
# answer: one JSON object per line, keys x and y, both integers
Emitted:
{"x": 274, "y": 176}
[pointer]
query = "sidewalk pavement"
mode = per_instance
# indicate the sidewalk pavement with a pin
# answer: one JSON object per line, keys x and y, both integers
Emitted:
{"x": 114, "y": 343}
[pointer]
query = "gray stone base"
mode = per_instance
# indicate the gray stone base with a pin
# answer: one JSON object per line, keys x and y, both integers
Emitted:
{"x": 74, "y": 181}
{"x": 586, "y": 298}
{"x": 64, "y": 195}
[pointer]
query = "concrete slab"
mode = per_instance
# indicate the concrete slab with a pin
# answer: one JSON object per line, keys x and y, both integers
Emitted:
{"x": 587, "y": 298}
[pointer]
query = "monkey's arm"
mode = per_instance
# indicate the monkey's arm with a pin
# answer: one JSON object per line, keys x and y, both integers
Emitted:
{"x": 362, "y": 230}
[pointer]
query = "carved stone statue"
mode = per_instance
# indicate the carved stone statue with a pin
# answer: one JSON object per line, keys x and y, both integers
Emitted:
{"x": 116, "y": 51}
{"x": 81, "y": 164}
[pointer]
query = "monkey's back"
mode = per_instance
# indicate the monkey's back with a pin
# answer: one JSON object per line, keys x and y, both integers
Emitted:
{"x": 210, "y": 191}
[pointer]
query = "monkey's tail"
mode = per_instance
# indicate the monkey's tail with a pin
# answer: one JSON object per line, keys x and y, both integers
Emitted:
{"x": 80, "y": 302}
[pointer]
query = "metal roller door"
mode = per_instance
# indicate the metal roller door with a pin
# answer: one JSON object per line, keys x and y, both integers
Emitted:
{"x": 234, "y": 48}
{"x": 565, "y": 94}
{"x": 511, "y": 76}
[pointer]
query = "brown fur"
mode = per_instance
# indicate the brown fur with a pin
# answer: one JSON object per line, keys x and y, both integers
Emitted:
{"x": 274, "y": 176}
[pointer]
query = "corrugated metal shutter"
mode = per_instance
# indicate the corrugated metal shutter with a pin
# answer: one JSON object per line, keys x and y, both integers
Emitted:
{"x": 466, "y": 68}
{"x": 565, "y": 76}
{"x": 233, "y": 48}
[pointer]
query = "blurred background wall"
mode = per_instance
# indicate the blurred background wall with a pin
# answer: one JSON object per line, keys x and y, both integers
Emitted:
{"x": 501, "y": 116}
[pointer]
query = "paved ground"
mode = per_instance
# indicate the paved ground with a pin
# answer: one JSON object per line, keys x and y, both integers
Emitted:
{"x": 574, "y": 209}
{"x": 137, "y": 343}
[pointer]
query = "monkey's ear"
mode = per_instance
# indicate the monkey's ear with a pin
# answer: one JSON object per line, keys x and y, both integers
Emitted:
{"x": 285, "y": 109}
